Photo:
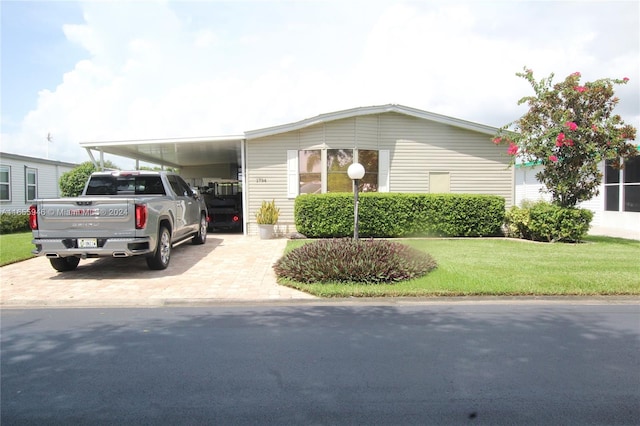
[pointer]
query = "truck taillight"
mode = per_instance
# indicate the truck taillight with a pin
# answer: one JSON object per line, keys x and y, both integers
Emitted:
{"x": 141, "y": 216}
{"x": 236, "y": 218}
{"x": 33, "y": 217}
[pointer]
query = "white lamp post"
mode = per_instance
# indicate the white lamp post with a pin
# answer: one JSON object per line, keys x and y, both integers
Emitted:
{"x": 355, "y": 172}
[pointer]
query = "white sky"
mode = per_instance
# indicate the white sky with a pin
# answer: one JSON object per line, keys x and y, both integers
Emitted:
{"x": 98, "y": 70}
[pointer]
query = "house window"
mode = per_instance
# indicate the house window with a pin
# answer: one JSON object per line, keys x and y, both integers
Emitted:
{"x": 310, "y": 166}
{"x": 370, "y": 160}
{"x": 5, "y": 183}
{"x": 316, "y": 171}
{"x": 622, "y": 187}
{"x": 31, "y": 185}
{"x": 338, "y": 161}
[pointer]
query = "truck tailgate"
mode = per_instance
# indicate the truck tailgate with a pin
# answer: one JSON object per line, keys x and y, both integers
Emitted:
{"x": 90, "y": 217}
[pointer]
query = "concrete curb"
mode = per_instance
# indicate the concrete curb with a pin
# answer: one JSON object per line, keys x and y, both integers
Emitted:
{"x": 351, "y": 301}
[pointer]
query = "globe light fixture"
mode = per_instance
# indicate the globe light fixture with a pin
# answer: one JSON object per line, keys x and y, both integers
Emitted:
{"x": 355, "y": 172}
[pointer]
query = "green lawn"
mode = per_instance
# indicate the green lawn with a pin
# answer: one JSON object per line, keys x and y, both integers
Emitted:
{"x": 15, "y": 247}
{"x": 600, "y": 266}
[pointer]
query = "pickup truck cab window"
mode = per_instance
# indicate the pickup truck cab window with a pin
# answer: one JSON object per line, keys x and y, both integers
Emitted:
{"x": 123, "y": 185}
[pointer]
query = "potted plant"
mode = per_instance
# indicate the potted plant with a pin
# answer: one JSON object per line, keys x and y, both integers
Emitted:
{"x": 266, "y": 217}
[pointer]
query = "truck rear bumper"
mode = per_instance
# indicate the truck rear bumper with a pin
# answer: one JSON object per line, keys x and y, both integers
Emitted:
{"x": 107, "y": 247}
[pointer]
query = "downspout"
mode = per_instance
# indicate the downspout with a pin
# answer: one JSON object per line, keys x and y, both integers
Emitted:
{"x": 245, "y": 192}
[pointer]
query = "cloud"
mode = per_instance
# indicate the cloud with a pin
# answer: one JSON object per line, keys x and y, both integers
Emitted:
{"x": 160, "y": 69}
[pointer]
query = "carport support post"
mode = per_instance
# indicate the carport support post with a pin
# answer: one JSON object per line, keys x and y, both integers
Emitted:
{"x": 355, "y": 172}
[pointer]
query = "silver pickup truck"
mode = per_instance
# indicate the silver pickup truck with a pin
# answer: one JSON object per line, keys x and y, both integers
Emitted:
{"x": 119, "y": 214}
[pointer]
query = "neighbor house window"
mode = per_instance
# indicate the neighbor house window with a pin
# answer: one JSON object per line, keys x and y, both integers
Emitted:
{"x": 622, "y": 187}
{"x": 31, "y": 189}
{"x": 316, "y": 171}
{"x": 5, "y": 183}
{"x": 631, "y": 185}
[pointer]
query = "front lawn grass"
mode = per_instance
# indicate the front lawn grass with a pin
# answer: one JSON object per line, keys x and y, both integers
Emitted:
{"x": 15, "y": 247}
{"x": 506, "y": 267}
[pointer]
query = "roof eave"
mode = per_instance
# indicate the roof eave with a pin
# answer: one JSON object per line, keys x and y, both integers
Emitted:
{"x": 371, "y": 110}
{"x": 97, "y": 144}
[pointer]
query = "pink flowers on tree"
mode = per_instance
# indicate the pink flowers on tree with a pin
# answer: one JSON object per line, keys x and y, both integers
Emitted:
{"x": 570, "y": 129}
{"x": 571, "y": 125}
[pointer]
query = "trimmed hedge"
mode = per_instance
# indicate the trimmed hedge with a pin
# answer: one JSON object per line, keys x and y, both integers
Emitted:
{"x": 13, "y": 222}
{"x": 391, "y": 215}
{"x": 543, "y": 221}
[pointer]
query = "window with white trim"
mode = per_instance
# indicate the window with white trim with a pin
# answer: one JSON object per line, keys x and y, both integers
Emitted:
{"x": 31, "y": 184}
{"x": 316, "y": 171}
{"x": 5, "y": 183}
{"x": 622, "y": 187}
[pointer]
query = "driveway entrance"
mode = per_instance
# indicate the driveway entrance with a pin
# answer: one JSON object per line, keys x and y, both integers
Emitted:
{"x": 228, "y": 267}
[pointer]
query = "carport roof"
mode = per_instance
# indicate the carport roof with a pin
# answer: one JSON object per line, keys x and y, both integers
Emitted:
{"x": 175, "y": 152}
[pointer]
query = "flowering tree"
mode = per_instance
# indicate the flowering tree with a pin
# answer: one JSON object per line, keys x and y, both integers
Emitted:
{"x": 569, "y": 129}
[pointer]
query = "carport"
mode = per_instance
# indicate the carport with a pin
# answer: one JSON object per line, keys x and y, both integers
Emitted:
{"x": 200, "y": 159}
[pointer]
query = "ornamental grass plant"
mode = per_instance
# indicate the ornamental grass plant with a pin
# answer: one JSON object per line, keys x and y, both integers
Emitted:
{"x": 354, "y": 261}
{"x": 268, "y": 213}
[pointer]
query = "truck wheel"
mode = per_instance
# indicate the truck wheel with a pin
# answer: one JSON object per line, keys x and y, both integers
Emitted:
{"x": 160, "y": 258}
{"x": 201, "y": 236}
{"x": 64, "y": 264}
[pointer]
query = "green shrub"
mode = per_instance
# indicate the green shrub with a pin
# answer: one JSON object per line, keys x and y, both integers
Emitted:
{"x": 13, "y": 222}
{"x": 390, "y": 215}
{"x": 516, "y": 221}
{"x": 550, "y": 222}
{"x": 542, "y": 221}
{"x": 72, "y": 182}
{"x": 354, "y": 261}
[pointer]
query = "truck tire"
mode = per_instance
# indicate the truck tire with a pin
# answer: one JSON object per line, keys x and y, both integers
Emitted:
{"x": 201, "y": 236}
{"x": 64, "y": 264}
{"x": 162, "y": 254}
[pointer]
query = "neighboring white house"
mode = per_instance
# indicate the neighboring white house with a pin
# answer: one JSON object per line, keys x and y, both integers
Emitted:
{"x": 23, "y": 179}
{"x": 617, "y": 206}
{"x": 403, "y": 150}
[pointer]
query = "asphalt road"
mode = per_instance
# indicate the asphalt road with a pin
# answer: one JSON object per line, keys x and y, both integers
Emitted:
{"x": 314, "y": 365}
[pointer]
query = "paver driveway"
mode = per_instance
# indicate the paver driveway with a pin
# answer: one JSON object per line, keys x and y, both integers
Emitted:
{"x": 228, "y": 267}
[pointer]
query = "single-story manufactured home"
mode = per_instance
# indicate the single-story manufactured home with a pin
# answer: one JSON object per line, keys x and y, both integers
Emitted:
{"x": 402, "y": 149}
{"x": 23, "y": 179}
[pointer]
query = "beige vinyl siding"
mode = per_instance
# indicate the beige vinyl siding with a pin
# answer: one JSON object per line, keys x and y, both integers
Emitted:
{"x": 416, "y": 147}
{"x": 266, "y": 178}
{"x": 310, "y": 138}
{"x": 367, "y": 131}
